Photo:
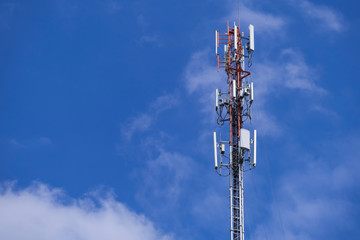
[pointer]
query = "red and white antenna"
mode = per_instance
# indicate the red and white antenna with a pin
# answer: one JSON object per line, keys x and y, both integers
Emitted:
{"x": 234, "y": 107}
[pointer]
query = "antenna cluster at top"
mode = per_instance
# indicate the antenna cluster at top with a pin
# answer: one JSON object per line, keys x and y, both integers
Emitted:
{"x": 231, "y": 42}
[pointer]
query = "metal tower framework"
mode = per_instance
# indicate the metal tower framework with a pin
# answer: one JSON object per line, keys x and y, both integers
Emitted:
{"x": 234, "y": 107}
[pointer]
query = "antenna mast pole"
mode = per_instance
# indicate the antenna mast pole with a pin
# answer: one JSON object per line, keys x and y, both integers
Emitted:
{"x": 234, "y": 108}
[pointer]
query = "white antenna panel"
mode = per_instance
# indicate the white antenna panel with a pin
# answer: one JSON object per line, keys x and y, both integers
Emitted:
{"x": 235, "y": 36}
{"x": 234, "y": 88}
{"x": 244, "y": 139}
{"x": 216, "y": 42}
{"x": 251, "y": 38}
{"x": 251, "y": 91}
{"x": 254, "y": 150}
{"x": 217, "y": 99}
{"x": 215, "y": 151}
{"x": 243, "y": 59}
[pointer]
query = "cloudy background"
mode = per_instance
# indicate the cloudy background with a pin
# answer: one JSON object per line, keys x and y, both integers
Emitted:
{"x": 107, "y": 110}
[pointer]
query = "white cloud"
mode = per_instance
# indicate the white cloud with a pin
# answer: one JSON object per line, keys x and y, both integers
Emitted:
{"x": 313, "y": 200}
{"x": 200, "y": 74}
{"x": 287, "y": 73}
{"x": 144, "y": 121}
{"x": 298, "y": 75}
{"x": 201, "y": 78}
{"x": 267, "y": 124}
{"x": 326, "y": 111}
{"x": 165, "y": 177}
{"x": 323, "y": 15}
{"x": 144, "y": 23}
{"x": 265, "y": 23}
{"x": 211, "y": 204}
{"x": 139, "y": 123}
{"x": 164, "y": 102}
{"x": 40, "y": 212}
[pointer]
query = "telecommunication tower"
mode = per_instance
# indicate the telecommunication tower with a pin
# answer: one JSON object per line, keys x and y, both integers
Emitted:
{"x": 233, "y": 107}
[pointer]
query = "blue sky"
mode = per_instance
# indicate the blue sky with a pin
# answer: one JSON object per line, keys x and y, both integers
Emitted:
{"x": 107, "y": 114}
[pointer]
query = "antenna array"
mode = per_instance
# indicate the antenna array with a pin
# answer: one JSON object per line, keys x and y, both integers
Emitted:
{"x": 233, "y": 106}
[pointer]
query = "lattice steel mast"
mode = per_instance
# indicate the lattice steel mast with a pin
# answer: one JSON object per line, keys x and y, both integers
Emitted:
{"x": 234, "y": 107}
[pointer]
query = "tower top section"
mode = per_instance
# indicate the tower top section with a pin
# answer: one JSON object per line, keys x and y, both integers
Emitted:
{"x": 234, "y": 50}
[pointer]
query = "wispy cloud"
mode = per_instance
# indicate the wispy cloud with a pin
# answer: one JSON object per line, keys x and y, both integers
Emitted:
{"x": 326, "y": 111}
{"x": 199, "y": 73}
{"x": 265, "y": 23}
{"x": 313, "y": 200}
{"x": 165, "y": 178}
{"x": 164, "y": 102}
{"x": 298, "y": 74}
{"x": 139, "y": 123}
{"x": 148, "y": 36}
{"x": 40, "y": 212}
{"x": 153, "y": 39}
{"x": 287, "y": 73}
{"x": 201, "y": 77}
{"x": 326, "y": 17}
{"x": 33, "y": 142}
{"x": 144, "y": 121}
{"x": 209, "y": 206}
